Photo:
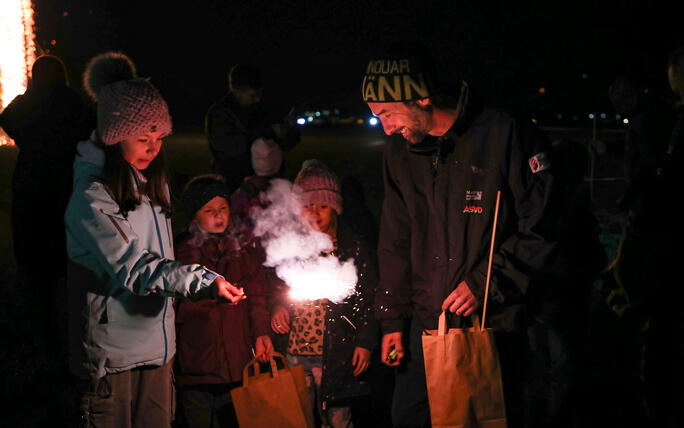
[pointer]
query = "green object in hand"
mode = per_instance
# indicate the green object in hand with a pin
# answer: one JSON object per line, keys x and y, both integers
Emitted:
{"x": 392, "y": 356}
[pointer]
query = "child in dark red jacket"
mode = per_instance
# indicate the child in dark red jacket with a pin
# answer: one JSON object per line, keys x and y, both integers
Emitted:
{"x": 214, "y": 340}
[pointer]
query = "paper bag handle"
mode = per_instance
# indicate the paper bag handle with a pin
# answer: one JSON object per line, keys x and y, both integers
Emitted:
{"x": 442, "y": 325}
{"x": 254, "y": 363}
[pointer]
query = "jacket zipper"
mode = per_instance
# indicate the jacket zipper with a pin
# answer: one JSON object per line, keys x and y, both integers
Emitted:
{"x": 166, "y": 299}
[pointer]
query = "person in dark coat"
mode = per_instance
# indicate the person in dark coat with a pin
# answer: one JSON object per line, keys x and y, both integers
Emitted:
{"x": 644, "y": 271}
{"x": 650, "y": 123}
{"x": 234, "y": 122}
{"x": 560, "y": 311}
{"x": 46, "y": 123}
{"x": 215, "y": 341}
{"x": 447, "y": 157}
{"x": 333, "y": 341}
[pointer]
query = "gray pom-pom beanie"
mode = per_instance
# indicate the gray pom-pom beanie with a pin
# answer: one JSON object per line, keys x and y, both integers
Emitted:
{"x": 126, "y": 104}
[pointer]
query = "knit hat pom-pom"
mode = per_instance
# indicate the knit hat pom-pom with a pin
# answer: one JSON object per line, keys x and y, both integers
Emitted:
{"x": 105, "y": 69}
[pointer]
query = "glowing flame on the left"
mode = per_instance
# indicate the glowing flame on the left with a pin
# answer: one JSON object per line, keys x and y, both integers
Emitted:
{"x": 17, "y": 48}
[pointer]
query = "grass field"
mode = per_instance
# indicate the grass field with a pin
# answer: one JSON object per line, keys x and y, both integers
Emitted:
{"x": 346, "y": 151}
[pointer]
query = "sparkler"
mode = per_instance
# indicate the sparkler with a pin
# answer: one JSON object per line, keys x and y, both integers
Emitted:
{"x": 17, "y": 49}
{"x": 295, "y": 250}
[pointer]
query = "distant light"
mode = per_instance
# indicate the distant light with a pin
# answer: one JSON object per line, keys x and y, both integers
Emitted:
{"x": 301, "y": 121}
{"x": 559, "y": 116}
{"x": 65, "y": 13}
{"x": 618, "y": 117}
{"x": 318, "y": 113}
{"x": 603, "y": 115}
{"x": 625, "y": 121}
{"x": 53, "y": 42}
{"x": 373, "y": 121}
{"x": 359, "y": 121}
{"x": 585, "y": 76}
{"x": 542, "y": 90}
{"x": 591, "y": 115}
{"x": 534, "y": 120}
{"x": 309, "y": 119}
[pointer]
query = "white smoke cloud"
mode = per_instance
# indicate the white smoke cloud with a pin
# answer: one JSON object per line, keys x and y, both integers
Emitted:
{"x": 294, "y": 249}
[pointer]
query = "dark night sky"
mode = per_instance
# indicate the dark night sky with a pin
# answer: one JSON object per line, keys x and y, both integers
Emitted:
{"x": 313, "y": 52}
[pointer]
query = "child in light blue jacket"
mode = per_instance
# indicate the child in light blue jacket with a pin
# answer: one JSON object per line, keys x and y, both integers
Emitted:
{"x": 121, "y": 274}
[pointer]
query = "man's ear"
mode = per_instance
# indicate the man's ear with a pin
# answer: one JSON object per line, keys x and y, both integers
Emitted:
{"x": 423, "y": 102}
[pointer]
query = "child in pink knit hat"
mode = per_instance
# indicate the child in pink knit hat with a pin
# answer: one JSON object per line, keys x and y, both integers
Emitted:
{"x": 333, "y": 341}
{"x": 122, "y": 277}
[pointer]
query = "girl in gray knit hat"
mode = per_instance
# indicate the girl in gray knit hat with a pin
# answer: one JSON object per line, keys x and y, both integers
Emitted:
{"x": 121, "y": 275}
{"x": 333, "y": 341}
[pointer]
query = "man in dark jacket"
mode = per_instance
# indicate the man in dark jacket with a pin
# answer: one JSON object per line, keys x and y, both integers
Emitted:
{"x": 445, "y": 160}
{"x": 237, "y": 120}
{"x": 45, "y": 122}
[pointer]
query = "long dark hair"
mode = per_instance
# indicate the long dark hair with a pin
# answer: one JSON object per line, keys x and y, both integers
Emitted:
{"x": 127, "y": 189}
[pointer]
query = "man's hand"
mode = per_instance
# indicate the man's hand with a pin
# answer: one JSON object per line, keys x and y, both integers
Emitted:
{"x": 280, "y": 320}
{"x": 263, "y": 349}
{"x": 227, "y": 291}
{"x": 389, "y": 341}
{"x": 461, "y": 301}
{"x": 360, "y": 360}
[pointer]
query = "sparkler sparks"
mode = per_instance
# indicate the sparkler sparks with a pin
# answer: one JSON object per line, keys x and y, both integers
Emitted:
{"x": 295, "y": 250}
{"x": 18, "y": 51}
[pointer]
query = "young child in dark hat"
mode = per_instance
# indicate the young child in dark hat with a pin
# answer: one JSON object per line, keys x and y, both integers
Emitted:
{"x": 216, "y": 341}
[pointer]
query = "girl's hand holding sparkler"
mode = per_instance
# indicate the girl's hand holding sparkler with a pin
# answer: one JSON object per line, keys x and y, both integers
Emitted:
{"x": 280, "y": 320}
{"x": 224, "y": 290}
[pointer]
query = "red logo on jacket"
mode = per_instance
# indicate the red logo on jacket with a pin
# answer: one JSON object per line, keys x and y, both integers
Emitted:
{"x": 472, "y": 209}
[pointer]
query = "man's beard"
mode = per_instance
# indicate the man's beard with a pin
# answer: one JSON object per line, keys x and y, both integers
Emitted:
{"x": 412, "y": 135}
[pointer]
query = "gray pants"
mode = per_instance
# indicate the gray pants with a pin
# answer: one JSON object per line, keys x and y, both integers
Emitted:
{"x": 142, "y": 397}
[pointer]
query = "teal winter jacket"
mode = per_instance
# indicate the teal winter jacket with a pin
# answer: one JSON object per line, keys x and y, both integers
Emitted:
{"x": 121, "y": 277}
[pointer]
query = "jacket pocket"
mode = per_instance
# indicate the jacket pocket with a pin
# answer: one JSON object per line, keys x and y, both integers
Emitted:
{"x": 116, "y": 223}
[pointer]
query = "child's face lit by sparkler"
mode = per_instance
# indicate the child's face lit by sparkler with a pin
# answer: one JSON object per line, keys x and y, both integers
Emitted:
{"x": 140, "y": 150}
{"x": 318, "y": 217}
{"x": 213, "y": 216}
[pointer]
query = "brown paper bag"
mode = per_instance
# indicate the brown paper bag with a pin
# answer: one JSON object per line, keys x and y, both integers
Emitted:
{"x": 463, "y": 377}
{"x": 280, "y": 399}
{"x": 462, "y": 369}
